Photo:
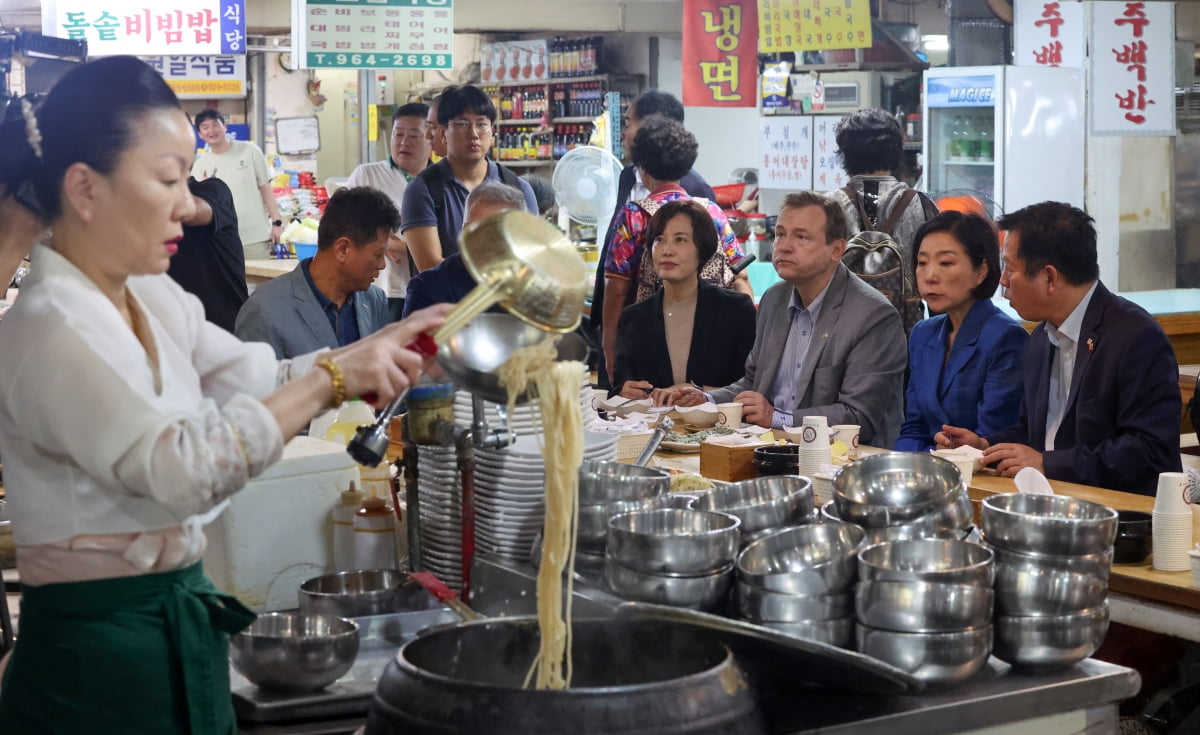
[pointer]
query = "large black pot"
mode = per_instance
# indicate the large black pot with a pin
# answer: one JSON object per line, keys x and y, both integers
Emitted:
{"x": 631, "y": 677}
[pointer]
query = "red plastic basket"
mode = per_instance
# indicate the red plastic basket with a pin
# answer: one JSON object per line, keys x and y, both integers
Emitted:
{"x": 729, "y": 194}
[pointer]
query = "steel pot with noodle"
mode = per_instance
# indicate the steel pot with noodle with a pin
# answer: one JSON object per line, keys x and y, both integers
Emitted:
{"x": 633, "y": 677}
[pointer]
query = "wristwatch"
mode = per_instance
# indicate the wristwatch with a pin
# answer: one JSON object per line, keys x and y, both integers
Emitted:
{"x": 277, "y": 223}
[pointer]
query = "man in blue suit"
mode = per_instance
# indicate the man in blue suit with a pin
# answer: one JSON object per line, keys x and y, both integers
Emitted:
{"x": 1101, "y": 404}
{"x": 328, "y": 300}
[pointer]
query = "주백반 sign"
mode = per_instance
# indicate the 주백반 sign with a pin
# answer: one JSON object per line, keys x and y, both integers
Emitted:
{"x": 374, "y": 34}
{"x": 145, "y": 28}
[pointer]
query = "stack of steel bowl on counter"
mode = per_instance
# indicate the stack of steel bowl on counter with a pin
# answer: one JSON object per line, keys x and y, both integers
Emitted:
{"x": 925, "y": 606}
{"x": 800, "y": 581}
{"x": 763, "y": 504}
{"x": 897, "y": 496}
{"x": 1053, "y": 557}
{"x": 682, "y": 558}
{"x": 608, "y": 489}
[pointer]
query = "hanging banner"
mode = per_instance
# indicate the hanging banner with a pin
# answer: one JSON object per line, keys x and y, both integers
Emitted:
{"x": 1132, "y": 68}
{"x": 374, "y": 34}
{"x": 785, "y": 153}
{"x": 720, "y": 63}
{"x": 145, "y": 28}
{"x": 813, "y": 25}
{"x": 203, "y": 77}
{"x": 1049, "y": 33}
{"x": 828, "y": 173}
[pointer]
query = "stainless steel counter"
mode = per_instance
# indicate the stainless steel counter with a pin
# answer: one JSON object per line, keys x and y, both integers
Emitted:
{"x": 1083, "y": 698}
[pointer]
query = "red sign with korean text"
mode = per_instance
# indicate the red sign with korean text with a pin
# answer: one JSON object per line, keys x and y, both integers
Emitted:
{"x": 1133, "y": 68}
{"x": 720, "y": 61}
{"x": 1049, "y": 33}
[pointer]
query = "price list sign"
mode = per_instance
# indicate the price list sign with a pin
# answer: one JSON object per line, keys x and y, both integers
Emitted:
{"x": 813, "y": 25}
{"x": 374, "y": 34}
{"x": 785, "y": 150}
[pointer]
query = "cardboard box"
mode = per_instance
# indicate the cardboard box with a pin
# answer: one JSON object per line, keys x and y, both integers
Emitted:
{"x": 730, "y": 464}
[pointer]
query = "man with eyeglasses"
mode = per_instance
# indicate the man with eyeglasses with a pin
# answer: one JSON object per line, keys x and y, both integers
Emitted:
{"x": 1101, "y": 404}
{"x": 435, "y": 201}
{"x": 408, "y": 156}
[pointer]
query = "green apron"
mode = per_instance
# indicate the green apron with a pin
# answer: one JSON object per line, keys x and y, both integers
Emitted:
{"x": 145, "y": 654}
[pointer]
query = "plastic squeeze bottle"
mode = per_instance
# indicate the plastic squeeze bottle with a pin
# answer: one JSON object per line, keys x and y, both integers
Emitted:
{"x": 374, "y": 535}
{"x": 343, "y": 528}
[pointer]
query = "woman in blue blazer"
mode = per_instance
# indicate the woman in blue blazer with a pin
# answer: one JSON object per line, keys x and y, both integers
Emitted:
{"x": 965, "y": 363}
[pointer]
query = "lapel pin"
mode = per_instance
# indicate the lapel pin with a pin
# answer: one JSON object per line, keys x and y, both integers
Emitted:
{"x": 1091, "y": 343}
{"x": 825, "y": 335}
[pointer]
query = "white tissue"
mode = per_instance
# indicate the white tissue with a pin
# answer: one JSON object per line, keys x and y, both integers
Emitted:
{"x": 1033, "y": 482}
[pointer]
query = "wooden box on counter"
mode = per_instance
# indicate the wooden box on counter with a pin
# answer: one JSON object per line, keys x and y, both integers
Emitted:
{"x": 726, "y": 463}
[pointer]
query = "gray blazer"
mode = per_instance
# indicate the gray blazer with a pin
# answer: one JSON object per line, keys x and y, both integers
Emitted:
{"x": 854, "y": 370}
{"x": 285, "y": 314}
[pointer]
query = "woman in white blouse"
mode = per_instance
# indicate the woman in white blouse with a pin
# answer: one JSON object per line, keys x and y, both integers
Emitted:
{"x": 126, "y": 419}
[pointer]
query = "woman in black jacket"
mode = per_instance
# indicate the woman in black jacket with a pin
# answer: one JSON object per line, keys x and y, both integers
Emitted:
{"x": 689, "y": 332}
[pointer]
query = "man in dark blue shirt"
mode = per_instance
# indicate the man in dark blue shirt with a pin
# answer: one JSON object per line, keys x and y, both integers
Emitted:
{"x": 328, "y": 300}
{"x": 449, "y": 281}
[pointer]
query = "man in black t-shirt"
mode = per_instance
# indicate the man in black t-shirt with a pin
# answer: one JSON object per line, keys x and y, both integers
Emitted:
{"x": 210, "y": 263}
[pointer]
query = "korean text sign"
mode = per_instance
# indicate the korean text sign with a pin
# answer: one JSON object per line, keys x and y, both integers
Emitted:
{"x": 720, "y": 61}
{"x": 203, "y": 77}
{"x": 812, "y": 25}
{"x": 1133, "y": 68}
{"x": 374, "y": 34}
{"x": 1049, "y": 33}
{"x": 785, "y": 153}
{"x": 145, "y": 28}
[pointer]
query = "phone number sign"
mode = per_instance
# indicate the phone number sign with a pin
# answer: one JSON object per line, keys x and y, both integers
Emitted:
{"x": 375, "y": 34}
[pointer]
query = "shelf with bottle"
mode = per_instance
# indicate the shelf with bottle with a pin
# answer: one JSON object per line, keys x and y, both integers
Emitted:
{"x": 970, "y": 140}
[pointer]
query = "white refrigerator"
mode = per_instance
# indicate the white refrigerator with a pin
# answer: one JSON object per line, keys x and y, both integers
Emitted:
{"x": 1008, "y": 135}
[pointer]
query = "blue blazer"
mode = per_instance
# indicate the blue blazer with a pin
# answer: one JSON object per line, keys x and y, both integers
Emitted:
{"x": 978, "y": 388}
{"x": 1121, "y": 425}
{"x": 285, "y": 314}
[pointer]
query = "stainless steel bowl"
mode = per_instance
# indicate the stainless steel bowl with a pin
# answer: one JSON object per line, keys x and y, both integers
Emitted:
{"x": 603, "y": 482}
{"x": 295, "y": 652}
{"x": 837, "y": 632}
{"x": 763, "y": 606}
{"x": 922, "y": 607}
{"x": 352, "y": 594}
{"x": 938, "y": 659}
{"x": 1047, "y": 524}
{"x": 950, "y": 522}
{"x": 1093, "y": 565}
{"x": 893, "y": 488}
{"x": 591, "y": 532}
{"x": 673, "y": 541}
{"x": 1049, "y": 642}
{"x": 706, "y": 592}
{"x": 1033, "y": 590}
{"x": 816, "y": 559}
{"x": 762, "y": 502}
{"x": 927, "y": 560}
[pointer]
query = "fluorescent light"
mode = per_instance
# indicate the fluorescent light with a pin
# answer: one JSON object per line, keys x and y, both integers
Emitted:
{"x": 935, "y": 43}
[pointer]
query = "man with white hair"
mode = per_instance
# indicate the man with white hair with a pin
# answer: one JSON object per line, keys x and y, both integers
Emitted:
{"x": 449, "y": 281}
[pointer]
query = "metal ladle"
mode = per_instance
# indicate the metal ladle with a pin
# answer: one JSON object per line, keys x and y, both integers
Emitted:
{"x": 519, "y": 260}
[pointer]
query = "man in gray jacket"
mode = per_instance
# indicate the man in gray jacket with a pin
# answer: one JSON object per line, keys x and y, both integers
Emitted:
{"x": 826, "y": 343}
{"x": 328, "y": 300}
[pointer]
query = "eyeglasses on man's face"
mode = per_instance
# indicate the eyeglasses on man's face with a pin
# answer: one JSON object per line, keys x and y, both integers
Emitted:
{"x": 481, "y": 127}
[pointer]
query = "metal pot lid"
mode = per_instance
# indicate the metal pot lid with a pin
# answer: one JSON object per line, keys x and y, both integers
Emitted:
{"x": 771, "y": 657}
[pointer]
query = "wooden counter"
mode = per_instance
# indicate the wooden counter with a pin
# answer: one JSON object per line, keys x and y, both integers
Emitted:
{"x": 261, "y": 271}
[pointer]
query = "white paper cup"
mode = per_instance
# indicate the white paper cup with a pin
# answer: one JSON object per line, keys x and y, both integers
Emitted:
{"x": 1169, "y": 498}
{"x": 729, "y": 414}
{"x": 1172, "y": 541}
{"x": 846, "y": 434}
{"x": 1194, "y": 556}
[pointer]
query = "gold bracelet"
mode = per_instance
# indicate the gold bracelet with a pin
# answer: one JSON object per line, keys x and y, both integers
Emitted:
{"x": 337, "y": 377}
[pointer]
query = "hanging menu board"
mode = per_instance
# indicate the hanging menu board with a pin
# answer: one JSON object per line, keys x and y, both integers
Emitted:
{"x": 785, "y": 148}
{"x": 374, "y": 34}
{"x": 827, "y": 170}
{"x": 813, "y": 25}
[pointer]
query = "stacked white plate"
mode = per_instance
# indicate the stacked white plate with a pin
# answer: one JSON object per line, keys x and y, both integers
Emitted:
{"x": 439, "y": 488}
{"x": 510, "y": 487}
{"x": 525, "y": 419}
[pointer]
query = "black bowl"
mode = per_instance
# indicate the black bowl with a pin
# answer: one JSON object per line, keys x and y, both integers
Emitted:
{"x": 777, "y": 459}
{"x": 1133, "y": 541}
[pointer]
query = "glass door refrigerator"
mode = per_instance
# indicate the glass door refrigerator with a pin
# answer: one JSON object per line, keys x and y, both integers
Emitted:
{"x": 1009, "y": 136}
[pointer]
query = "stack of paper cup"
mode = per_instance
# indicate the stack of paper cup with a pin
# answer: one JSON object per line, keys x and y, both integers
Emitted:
{"x": 814, "y": 445}
{"x": 1171, "y": 524}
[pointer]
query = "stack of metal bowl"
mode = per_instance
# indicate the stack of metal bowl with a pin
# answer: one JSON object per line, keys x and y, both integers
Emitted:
{"x": 682, "y": 558}
{"x": 897, "y": 496}
{"x": 607, "y": 489}
{"x": 799, "y": 581}
{"x": 925, "y": 606}
{"x": 1053, "y": 556}
{"x": 295, "y": 652}
{"x": 763, "y": 504}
